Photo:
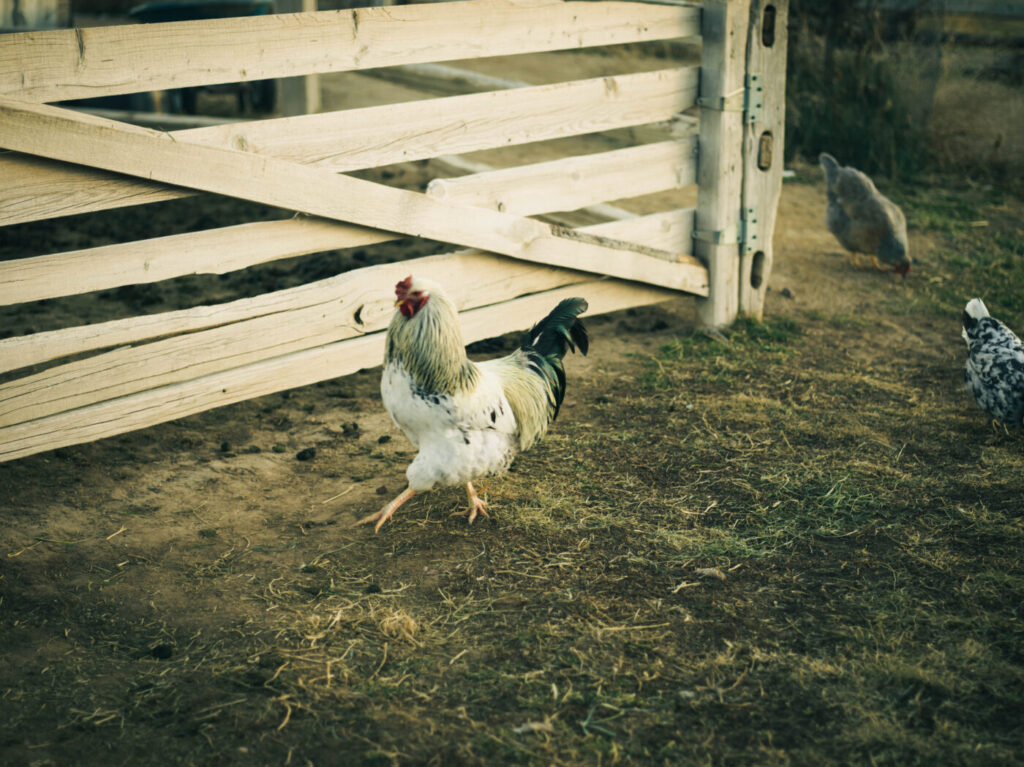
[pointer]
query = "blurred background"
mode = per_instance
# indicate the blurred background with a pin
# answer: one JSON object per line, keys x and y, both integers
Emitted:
{"x": 904, "y": 87}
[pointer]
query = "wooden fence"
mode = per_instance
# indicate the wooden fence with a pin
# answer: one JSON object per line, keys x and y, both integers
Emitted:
{"x": 127, "y": 374}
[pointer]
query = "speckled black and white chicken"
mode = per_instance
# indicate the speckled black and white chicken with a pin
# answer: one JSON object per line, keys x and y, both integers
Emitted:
{"x": 863, "y": 219}
{"x": 994, "y": 373}
{"x": 468, "y": 419}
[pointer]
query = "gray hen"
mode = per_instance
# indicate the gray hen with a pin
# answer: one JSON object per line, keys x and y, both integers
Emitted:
{"x": 862, "y": 219}
{"x": 994, "y": 373}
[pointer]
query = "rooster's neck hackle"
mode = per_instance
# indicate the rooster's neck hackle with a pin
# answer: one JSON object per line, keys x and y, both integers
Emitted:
{"x": 429, "y": 346}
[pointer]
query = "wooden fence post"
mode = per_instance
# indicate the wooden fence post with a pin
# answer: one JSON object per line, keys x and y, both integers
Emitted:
{"x": 720, "y": 162}
{"x": 765, "y": 123}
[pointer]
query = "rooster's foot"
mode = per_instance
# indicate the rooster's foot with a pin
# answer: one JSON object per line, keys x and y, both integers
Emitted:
{"x": 477, "y": 505}
{"x": 382, "y": 516}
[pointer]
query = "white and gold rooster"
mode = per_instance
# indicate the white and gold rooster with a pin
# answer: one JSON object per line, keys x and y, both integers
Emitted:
{"x": 469, "y": 420}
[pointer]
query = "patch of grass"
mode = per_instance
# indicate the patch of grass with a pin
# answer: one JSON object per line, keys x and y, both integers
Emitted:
{"x": 981, "y": 251}
{"x": 843, "y": 321}
{"x": 729, "y": 356}
{"x": 940, "y": 210}
{"x": 745, "y": 336}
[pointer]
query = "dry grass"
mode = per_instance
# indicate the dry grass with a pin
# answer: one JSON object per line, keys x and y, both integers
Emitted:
{"x": 972, "y": 128}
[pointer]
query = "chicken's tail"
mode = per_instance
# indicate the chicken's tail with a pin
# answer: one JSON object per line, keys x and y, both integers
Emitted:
{"x": 549, "y": 340}
{"x": 976, "y": 309}
{"x": 830, "y": 166}
{"x": 973, "y": 313}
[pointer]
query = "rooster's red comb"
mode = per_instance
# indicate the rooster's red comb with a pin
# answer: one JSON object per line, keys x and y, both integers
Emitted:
{"x": 402, "y": 288}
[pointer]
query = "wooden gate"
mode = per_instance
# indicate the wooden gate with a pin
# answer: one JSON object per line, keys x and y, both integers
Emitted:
{"x": 130, "y": 373}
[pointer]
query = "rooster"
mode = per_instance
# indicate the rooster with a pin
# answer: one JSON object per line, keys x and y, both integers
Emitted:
{"x": 468, "y": 419}
{"x": 863, "y": 219}
{"x": 994, "y": 373}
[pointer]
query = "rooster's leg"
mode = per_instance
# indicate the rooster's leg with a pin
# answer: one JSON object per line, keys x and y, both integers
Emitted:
{"x": 477, "y": 505}
{"x": 385, "y": 514}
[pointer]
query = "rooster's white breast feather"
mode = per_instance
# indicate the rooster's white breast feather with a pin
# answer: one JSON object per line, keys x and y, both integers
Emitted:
{"x": 461, "y": 437}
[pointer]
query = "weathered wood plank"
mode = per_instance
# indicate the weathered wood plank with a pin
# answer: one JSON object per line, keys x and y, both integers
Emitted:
{"x": 213, "y": 251}
{"x": 443, "y": 78}
{"x": 358, "y": 302}
{"x": 720, "y": 163}
{"x": 64, "y": 135}
{"x": 166, "y": 403}
{"x": 575, "y": 182}
{"x": 763, "y": 145}
{"x": 565, "y": 184}
{"x": 339, "y": 307}
{"x": 669, "y": 230}
{"x": 663, "y": 230}
{"x": 36, "y": 188}
{"x": 98, "y": 61}
{"x": 459, "y": 165}
{"x": 415, "y": 130}
{"x": 128, "y": 370}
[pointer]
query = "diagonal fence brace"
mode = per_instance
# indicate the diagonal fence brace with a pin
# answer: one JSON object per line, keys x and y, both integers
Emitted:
{"x": 68, "y": 136}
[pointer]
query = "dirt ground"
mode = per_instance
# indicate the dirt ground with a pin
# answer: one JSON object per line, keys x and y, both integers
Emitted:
{"x": 194, "y": 593}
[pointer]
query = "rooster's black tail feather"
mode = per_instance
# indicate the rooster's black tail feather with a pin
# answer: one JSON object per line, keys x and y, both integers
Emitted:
{"x": 549, "y": 340}
{"x": 560, "y": 330}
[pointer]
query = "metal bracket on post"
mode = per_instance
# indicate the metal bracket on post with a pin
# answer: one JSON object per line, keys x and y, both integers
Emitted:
{"x": 751, "y": 104}
{"x": 754, "y": 98}
{"x": 746, "y": 234}
{"x": 717, "y": 237}
{"x": 748, "y": 224}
